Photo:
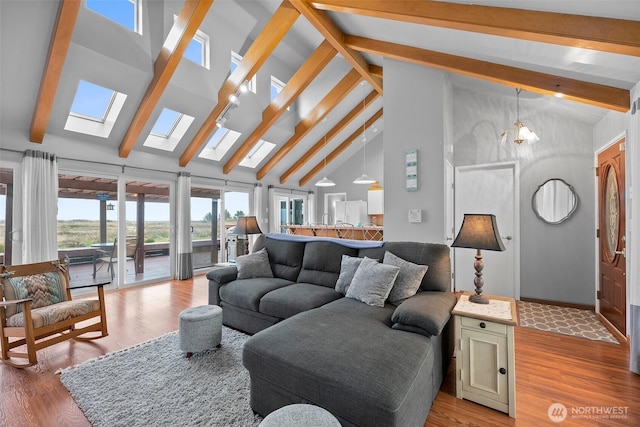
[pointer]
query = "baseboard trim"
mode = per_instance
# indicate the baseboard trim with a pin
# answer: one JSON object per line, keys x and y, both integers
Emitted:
{"x": 614, "y": 331}
{"x": 560, "y": 303}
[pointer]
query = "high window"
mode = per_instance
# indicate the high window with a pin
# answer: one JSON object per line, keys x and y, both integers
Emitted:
{"x": 198, "y": 50}
{"x": 235, "y": 61}
{"x": 94, "y": 109}
{"x": 124, "y": 12}
{"x": 276, "y": 88}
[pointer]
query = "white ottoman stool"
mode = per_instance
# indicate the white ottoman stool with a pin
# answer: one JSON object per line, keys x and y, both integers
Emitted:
{"x": 300, "y": 415}
{"x": 200, "y": 328}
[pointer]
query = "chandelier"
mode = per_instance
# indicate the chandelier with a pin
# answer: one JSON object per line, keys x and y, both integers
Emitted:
{"x": 521, "y": 132}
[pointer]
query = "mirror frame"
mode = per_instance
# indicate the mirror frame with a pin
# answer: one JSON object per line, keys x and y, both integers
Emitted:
{"x": 568, "y": 215}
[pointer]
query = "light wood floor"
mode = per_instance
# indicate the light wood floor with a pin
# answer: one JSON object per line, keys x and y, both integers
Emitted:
{"x": 581, "y": 374}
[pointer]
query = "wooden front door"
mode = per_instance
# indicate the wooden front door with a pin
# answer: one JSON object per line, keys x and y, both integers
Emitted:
{"x": 612, "y": 290}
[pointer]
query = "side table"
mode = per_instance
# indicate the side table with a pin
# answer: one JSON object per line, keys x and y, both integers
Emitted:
{"x": 485, "y": 353}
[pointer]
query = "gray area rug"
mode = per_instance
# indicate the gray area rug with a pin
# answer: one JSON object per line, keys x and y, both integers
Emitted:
{"x": 153, "y": 384}
{"x": 564, "y": 320}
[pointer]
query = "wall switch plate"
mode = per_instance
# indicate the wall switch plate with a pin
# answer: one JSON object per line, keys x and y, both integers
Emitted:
{"x": 415, "y": 215}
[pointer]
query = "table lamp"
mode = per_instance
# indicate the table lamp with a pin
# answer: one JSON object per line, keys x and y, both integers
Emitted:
{"x": 247, "y": 225}
{"x": 479, "y": 231}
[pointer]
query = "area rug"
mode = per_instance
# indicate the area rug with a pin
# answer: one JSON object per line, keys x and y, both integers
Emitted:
{"x": 563, "y": 320}
{"x": 153, "y": 384}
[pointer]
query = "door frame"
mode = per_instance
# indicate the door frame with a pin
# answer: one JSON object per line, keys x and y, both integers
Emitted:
{"x": 515, "y": 167}
{"x": 623, "y": 135}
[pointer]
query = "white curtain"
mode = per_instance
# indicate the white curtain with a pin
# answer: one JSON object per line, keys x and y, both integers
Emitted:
{"x": 184, "y": 266}
{"x": 39, "y": 206}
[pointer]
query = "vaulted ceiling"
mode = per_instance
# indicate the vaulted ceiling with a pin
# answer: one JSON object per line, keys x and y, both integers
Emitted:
{"x": 584, "y": 53}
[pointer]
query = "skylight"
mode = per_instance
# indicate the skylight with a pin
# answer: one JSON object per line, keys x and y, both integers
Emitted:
{"x": 94, "y": 109}
{"x": 219, "y": 143}
{"x": 257, "y": 154}
{"x": 235, "y": 61}
{"x": 168, "y": 130}
{"x": 123, "y": 12}
{"x": 92, "y": 101}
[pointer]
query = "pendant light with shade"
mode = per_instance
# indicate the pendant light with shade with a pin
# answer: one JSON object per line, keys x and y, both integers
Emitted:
{"x": 364, "y": 178}
{"x": 325, "y": 182}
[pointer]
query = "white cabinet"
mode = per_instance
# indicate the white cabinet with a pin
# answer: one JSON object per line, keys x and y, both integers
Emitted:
{"x": 375, "y": 202}
{"x": 485, "y": 362}
{"x": 352, "y": 212}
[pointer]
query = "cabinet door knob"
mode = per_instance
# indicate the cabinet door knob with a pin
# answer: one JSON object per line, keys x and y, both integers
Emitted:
{"x": 483, "y": 325}
{"x": 503, "y": 371}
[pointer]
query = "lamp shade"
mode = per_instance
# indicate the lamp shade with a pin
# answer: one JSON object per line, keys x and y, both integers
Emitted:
{"x": 247, "y": 225}
{"x": 479, "y": 231}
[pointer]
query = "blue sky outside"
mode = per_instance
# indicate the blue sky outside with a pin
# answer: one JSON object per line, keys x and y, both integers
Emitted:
{"x": 91, "y": 100}
{"x": 119, "y": 11}
{"x": 82, "y": 209}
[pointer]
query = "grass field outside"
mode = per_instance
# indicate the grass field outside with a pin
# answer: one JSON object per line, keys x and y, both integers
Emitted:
{"x": 84, "y": 233}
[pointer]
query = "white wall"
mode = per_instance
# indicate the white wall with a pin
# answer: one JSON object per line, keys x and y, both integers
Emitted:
{"x": 556, "y": 260}
{"x": 415, "y": 101}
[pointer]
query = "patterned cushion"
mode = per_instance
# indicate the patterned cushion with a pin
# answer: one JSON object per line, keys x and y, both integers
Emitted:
{"x": 44, "y": 289}
{"x": 51, "y": 314}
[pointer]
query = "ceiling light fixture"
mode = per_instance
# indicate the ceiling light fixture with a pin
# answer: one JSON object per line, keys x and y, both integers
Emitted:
{"x": 522, "y": 133}
{"x": 364, "y": 179}
{"x": 325, "y": 182}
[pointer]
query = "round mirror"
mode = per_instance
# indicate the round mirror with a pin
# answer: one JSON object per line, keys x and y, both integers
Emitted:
{"x": 554, "y": 201}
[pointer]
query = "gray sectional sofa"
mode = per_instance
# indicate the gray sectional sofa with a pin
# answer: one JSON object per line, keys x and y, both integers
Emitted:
{"x": 368, "y": 365}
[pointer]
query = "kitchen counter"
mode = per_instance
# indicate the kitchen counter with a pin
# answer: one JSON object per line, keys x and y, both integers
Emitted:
{"x": 365, "y": 232}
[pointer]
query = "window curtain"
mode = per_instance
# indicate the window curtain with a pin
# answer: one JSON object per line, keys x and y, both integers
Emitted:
{"x": 39, "y": 206}
{"x": 184, "y": 266}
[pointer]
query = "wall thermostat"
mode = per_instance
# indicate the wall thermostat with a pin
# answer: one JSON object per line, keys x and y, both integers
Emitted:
{"x": 415, "y": 215}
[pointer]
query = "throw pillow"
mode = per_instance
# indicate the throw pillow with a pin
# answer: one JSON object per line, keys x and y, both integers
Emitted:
{"x": 372, "y": 282}
{"x": 408, "y": 280}
{"x": 348, "y": 268}
{"x": 254, "y": 265}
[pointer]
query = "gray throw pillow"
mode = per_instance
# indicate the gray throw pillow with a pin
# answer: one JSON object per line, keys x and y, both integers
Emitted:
{"x": 254, "y": 265}
{"x": 408, "y": 280}
{"x": 348, "y": 268}
{"x": 372, "y": 282}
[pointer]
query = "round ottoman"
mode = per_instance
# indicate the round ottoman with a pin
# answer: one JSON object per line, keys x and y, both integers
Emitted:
{"x": 200, "y": 328}
{"x": 300, "y": 415}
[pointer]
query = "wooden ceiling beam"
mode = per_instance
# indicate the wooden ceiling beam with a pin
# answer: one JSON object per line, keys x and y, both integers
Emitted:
{"x": 259, "y": 51}
{"x": 575, "y": 90}
{"x": 60, "y": 41}
{"x": 342, "y": 124}
{"x": 338, "y": 150}
{"x": 331, "y": 32}
{"x": 328, "y": 103}
{"x": 184, "y": 28}
{"x": 298, "y": 82}
{"x": 586, "y": 32}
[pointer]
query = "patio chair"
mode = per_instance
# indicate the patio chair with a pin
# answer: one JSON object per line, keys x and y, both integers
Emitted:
{"x": 111, "y": 257}
{"x": 37, "y": 311}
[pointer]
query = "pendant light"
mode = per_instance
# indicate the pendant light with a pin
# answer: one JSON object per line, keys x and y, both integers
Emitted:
{"x": 364, "y": 179}
{"x": 325, "y": 182}
{"x": 522, "y": 133}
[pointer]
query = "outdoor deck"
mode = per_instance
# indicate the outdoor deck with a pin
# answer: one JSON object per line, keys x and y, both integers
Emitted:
{"x": 155, "y": 268}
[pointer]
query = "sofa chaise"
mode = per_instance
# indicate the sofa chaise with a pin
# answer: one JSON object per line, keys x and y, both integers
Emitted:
{"x": 370, "y": 363}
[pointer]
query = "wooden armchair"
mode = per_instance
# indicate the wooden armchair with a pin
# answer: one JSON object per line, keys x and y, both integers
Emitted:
{"x": 36, "y": 310}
